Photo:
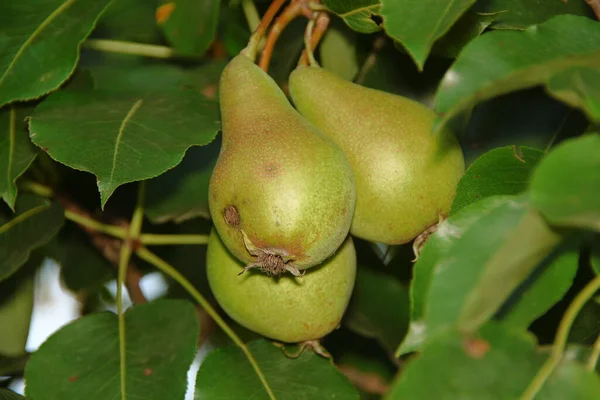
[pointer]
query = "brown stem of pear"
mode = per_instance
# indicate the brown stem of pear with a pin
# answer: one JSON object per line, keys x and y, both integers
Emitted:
{"x": 252, "y": 47}
{"x": 321, "y": 25}
{"x": 288, "y": 15}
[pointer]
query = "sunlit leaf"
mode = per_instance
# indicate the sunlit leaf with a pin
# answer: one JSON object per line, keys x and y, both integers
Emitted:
{"x": 486, "y": 69}
{"x": 566, "y": 183}
{"x": 578, "y": 87}
{"x": 519, "y": 14}
{"x": 497, "y": 363}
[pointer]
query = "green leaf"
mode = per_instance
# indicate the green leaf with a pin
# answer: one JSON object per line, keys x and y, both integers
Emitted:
{"x": 545, "y": 290}
{"x": 36, "y": 221}
{"x": 519, "y": 14}
{"x": 227, "y": 374}
{"x": 39, "y": 42}
{"x": 503, "y": 170}
{"x": 192, "y": 24}
{"x": 434, "y": 251}
{"x": 379, "y": 308}
{"x": 486, "y": 264}
{"x": 497, "y": 363}
{"x": 357, "y": 13}
{"x": 16, "y": 151}
{"x": 338, "y": 51}
{"x": 182, "y": 192}
{"x": 566, "y": 183}
{"x": 123, "y": 139}
{"x": 586, "y": 327}
{"x": 571, "y": 381}
{"x": 6, "y": 394}
{"x": 81, "y": 360}
{"x": 486, "y": 69}
{"x": 130, "y": 20}
{"x": 16, "y": 306}
{"x": 579, "y": 87}
{"x": 418, "y": 24}
{"x": 83, "y": 267}
{"x": 469, "y": 26}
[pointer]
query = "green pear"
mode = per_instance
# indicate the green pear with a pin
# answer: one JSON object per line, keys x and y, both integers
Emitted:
{"x": 289, "y": 309}
{"x": 282, "y": 193}
{"x": 406, "y": 176}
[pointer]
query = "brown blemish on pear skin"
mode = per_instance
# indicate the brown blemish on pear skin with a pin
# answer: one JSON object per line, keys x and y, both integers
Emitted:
{"x": 232, "y": 216}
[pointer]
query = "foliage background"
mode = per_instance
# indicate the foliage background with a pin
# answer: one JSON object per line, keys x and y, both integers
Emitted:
{"x": 97, "y": 96}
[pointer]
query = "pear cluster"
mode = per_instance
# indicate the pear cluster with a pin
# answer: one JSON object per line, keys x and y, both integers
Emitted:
{"x": 293, "y": 185}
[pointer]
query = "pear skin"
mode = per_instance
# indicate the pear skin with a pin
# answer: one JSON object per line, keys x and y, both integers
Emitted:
{"x": 406, "y": 176}
{"x": 282, "y": 194}
{"x": 288, "y": 309}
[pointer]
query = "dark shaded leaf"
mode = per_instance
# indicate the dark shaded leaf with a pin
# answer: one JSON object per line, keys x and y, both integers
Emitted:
{"x": 40, "y": 42}
{"x": 357, "y": 13}
{"x": 501, "y": 171}
{"x": 129, "y": 20}
{"x": 486, "y": 69}
{"x": 338, "y": 52}
{"x": 566, "y": 183}
{"x": 6, "y": 394}
{"x": 418, "y": 24}
{"x": 578, "y": 87}
{"x": 227, "y": 374}
{"x": 379, "y": 308}
{"x": 182, "y": 192}
{"x": 16, "y": 306}
{"x": 121, "y": 139}
{"x": 36, "y": 221}
{"x": 16, "y": 151}
{"x": 497, "y": 363}
{"x": 191, "y": 25}
{"x": 469, "y": 26}
{"x": 84, "y": 355}
{"x": 519, "y": 14}
{"x": 83, "y": 267}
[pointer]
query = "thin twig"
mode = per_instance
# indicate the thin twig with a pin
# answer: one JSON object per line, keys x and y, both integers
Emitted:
{"x": 370, "y": 60}
{"x": 288, "y": 15}
{"x": 156, "y": 239}
{"x": 560, "y": 341}
{"x": 252, "y": 47}
{"x": 135, "y": 49}
{"x": 321, "y": 25}
{"x": 251, "y": 14}
{"x": 169, "y": 270}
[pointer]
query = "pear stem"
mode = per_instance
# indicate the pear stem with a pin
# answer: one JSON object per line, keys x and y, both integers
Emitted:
{"x": 320, "y": 27}
{"x": 307, "y": 43}
{"x": 288, "y": 15}
{"x": 252, "y": 47}
{"x": 251, "y": 14}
